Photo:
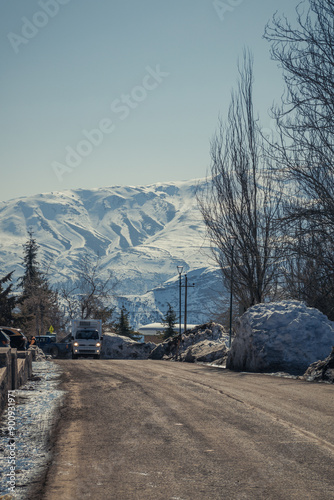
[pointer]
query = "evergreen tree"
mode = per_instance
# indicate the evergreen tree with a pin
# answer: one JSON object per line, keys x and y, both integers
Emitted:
{"x": 38, "y": 303}
{"x": 122, "y": 327}
{"x": 7, "y": 301}
{"x": 31, "y": 265}
{"x": 169, "y": 321}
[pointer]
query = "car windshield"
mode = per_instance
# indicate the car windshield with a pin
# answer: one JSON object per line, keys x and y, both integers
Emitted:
{"x": 87, "y": 334}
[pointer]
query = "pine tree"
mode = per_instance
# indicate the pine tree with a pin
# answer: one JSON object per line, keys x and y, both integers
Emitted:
{"x": 123, "y": 328}
{"x": 38, "y": 303}
{"x": 169, "y": 321}
{"x": 7, "y": 301}
{"x": 31, "y": 265}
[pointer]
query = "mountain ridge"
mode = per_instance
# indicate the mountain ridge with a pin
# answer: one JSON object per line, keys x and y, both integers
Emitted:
{"x": 140, "y": 233}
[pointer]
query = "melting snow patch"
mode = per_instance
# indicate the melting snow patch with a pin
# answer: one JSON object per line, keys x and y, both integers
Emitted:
{"x": 24, "y": 443}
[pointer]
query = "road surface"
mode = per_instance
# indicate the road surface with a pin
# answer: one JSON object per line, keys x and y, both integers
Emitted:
{"x": 154, "y": 430}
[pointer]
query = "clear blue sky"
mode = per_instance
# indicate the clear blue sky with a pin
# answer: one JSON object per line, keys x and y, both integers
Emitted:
{"x": 152, "y": 75}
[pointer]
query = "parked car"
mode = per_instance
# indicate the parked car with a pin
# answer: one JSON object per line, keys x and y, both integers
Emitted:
{"x": 49, "y": 345}
{"x": 4, "y": 339}
{"x": 17, "y": 338}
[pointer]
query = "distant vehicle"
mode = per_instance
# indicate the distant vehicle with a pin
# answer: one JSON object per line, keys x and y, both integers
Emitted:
{"x": 4, "y": 339}
{"x": 49, "y": 345}
{"x": 86, "y": 338}
{"x": 17, "y": 338}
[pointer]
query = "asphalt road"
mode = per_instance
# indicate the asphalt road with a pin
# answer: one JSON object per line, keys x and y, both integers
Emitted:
{"x": 151, "y": 430}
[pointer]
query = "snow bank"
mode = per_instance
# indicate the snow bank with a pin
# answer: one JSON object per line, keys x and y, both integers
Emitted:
{"x": 207, "y": 351}
{"x": 204, "y": 343}
{"x": 283, "y": 336}
{"x": 37, "y": 355}
{"x": 36, "y": 411}
{"x": 118, "y": 347}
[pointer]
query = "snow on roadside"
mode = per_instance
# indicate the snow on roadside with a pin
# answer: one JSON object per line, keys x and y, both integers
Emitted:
{"x": 206, "y": 342}
{"x": 280, "y": 336}
{"x": 26, "y": 444}
{"x": 118, "y": 347}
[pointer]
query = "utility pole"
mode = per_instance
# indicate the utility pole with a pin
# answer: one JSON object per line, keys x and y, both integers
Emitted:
{"x": 180, "y": 269}
{"x": 185, "y": 300}
{"x": 231, "y": 295}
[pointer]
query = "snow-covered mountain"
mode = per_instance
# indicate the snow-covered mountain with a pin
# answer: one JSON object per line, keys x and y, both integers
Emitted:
{"x": 140, "y": 233}
{"x": 206, "y": 299}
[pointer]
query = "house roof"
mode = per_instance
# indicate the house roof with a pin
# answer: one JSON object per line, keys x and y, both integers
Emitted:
{"x": 153, "y": 328}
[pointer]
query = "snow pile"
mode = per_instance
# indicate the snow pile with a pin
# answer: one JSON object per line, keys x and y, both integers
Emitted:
{"x": 118, "y": 347}
{"x": 204, "y": 343}
{"x": 283, "y": 336}
{"x": 37, "y": 405}
{"x": 207, "y": 351}
{"x": 37, "y": 353}
{"x": 321, "y": 371}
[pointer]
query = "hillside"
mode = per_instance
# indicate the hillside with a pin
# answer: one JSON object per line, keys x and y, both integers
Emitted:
{"x": 140, "y": 233}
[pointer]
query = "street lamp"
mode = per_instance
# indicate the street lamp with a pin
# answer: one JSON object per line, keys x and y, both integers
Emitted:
{"x": 180, "y": 269}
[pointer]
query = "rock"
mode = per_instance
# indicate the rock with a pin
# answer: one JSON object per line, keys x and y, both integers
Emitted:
{"x": 285, "y": 336}
{"x": 321, "y": 371}
{"x": 203, "y": 343}
{"x": 118, "y": 347}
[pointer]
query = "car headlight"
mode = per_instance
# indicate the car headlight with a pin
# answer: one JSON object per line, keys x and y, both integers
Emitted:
{"x": 76, "y": 344}
{"x": 98, "y": 344}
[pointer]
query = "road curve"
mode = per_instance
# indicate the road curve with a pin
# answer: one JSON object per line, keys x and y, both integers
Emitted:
{"x": 154, "y": 430}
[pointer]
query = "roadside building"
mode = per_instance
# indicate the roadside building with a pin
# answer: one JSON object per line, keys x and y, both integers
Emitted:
{"x": 153, "y": 332}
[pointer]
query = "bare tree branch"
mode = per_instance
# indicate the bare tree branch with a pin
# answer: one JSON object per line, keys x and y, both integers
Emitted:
{"x": 241, "y": 206}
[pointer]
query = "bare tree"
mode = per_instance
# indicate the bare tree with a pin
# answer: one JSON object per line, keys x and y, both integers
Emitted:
{"x": 242, "y": 204}
{"x": 90, "y": 295}
{"x": 305, "y": 152}
{"x": 309, "y": 266}
{"x": 305, "y": 52}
